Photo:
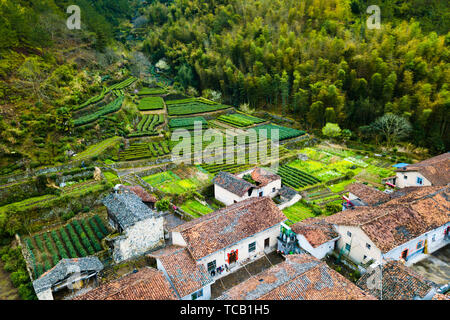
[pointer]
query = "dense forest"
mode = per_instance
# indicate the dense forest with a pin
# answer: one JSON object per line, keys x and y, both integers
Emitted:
{"x": 314, "y": 59}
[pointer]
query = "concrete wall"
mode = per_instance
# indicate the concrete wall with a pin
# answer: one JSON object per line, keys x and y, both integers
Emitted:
{"x": 411, "y": 179}
{"x": 138, "y": 239}
{"x": 242, "y": 247}
{"x": 287, "y": 204}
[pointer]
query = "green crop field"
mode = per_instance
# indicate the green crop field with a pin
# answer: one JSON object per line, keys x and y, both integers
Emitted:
{"x": 296, "y": 178}
{"x": 77, "y": 239}
{"x": 239, "y": 120}
{"x": 171, "y": 183}
{"x": 195, "y": 208}
{"x": 283, "y": 132}
{"x": 97, "y": 149}
{"x": 151, "y": 103}
{"x": 187, "y": 123}
{"x": 145, "y": 150}
{"x": 114, "y": 106}
{"x": 298, "y": 212}
{"x": 192, "y": 106}
{"x": 124, "y": 84}
{"x": 151, "y": 91}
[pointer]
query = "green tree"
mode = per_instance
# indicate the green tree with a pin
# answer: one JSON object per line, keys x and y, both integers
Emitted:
{"x": 331, "y": 130}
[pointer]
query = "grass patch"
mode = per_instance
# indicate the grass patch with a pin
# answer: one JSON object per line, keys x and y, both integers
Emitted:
{"x": 298, "y": 212}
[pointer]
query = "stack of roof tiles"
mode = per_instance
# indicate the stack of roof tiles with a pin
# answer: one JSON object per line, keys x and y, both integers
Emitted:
{"x": 264, "y": 177}
{"x": 141, "y": 193}
{"x": 399, "y": 220}
{"x": 146, "y": 284}
{"x": 300, "y": 277}
{"x": 185, "y": 275}
{"x": 317, "y": 231}
{"x": 397, "y": 281}
{"x": 229, "y": 225}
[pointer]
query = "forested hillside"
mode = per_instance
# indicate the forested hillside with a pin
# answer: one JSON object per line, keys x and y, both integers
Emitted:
{"x": 314, "y": 59}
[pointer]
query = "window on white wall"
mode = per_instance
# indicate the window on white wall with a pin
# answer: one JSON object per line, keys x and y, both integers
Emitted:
{"x": 349, "y": 234}
{"x": 434, "y": 238}
{"x": 347, "y": 247}
{"x": 211, "y": 266}
{"x": 368, "y": 246}
{"x": 419, "y": 181}
{"x": 197, "y": 294}
{"x": 252, "y": 247}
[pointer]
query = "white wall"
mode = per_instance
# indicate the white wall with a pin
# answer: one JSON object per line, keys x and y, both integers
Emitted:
{"x": 136, "y": 240}
{"x": 319, "y": 252}
{"x": 293, "y": 201}
{"x": 411, "y": 179}
{"x": 229, "y": 198}
{"x": 358, "y": 241}
{"x": 242, "y": 247}
{"x": 178, "y": 240}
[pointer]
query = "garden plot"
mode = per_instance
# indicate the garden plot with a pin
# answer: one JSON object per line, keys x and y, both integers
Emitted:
{"x": 151, "y": 103}
{"x": 195, "y": 208}
{"x": 240, "y": 120}
{"x": 147, "y": 126}
{"x": 283, "y": 132}
{"x": 151, "y": 91}
{"x": 187, "y": 123}
{"x": 298, "y": 212}
{"x": 169, "y": 182}
{"x": 296, "y": 178}
{"x": 112, "y": 107}
{"x": 145, "y": 150}
{"x": 76, "y": 239}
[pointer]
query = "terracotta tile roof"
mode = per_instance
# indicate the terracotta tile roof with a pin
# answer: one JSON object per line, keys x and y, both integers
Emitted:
{"x": 398, "y": 282}
{"x": 141, "y": 193}
{"x": 186, "y": 276}
{"x": 368, "y": 195}
{"x": 232, "y": 183}
{"x": 436, "y": 169}
{"x": 316, "y": 231}
{"x": 300, "y": 277}
{"x": 440, "y": 296}
{"x": 229, "y": 225}
{"x": 264, "y": 177}
{"x": 146, "y": 284}
{"x": 400, "y": 220}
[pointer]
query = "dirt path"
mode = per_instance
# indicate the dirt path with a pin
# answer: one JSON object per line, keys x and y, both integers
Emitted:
{"x": 7, "y": 290}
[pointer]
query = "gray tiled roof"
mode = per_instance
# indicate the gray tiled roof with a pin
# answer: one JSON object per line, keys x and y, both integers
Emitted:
{"x": 127, "y": 208}
{"x": 287, "y": 193}
{"x": 232, "y": 183}
{"x": 64, "y": 269}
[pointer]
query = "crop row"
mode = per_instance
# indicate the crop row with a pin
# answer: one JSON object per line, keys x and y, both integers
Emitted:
{"x": 239, "y": 120}
{"x": 124, "y": 84}
{"x": 93, "y": 100}
{"x": 283, "y": 132}
{"x": 151, "y": 91}
{"x": 113, "y": 106}
{"x": 296, "y": 178}
{"x": 145, "y": 150}
{"x": 187, "y": 123}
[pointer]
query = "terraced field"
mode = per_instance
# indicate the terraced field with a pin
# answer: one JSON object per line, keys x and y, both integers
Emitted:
{"x": 192, "y": 106}
{"x": 240, "y": 120}
{"x": 151, "y": 103}
{"x": 187, "y": 123}
{"x": 151, "y": 91}
{"x": 145, "y": 150}
{"x": 283, "y": 132}
{"x": 111, "y": 107}
{"x": 147, "y": 126}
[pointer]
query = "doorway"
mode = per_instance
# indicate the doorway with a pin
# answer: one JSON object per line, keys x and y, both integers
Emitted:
{"x": 405, "y": 254}
{"x": 266, "y": 243}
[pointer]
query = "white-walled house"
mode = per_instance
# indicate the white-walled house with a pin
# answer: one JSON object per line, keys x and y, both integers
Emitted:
{"x": 431, "y": 172}
{"x": 315, "y": 236}
{"x": 405, "y": 228}
{"x": 226, "y": 239}
{"x": 230, "y": 188}
{"x": 139, "y": 228}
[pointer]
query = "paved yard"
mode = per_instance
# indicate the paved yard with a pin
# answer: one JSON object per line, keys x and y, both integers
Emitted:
{"x": 244, "y": 273}
{"x": 436, "y": 267}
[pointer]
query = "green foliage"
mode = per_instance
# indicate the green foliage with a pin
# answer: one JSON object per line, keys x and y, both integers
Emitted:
{"x": 163, "y": 205}
{"x": 331, "y": 130}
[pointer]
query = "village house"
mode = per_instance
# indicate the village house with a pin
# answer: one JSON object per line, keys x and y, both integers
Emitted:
{"x": 360, "y": 194}
{"x": 431, "y": 172}
{"x": 68, "y": 274}
{"x": 315, "y": 236}
{"x": 406, "y": 227}
{"x": 139, "y": 228}
{"x": 257, "y": 182}
{"x": 299, "y": 277}
{"x": 190, "y": 280}
{"x": 394, "y": 281}
{"x": 145, "y": 284}
{"x": 226, "y": 239}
